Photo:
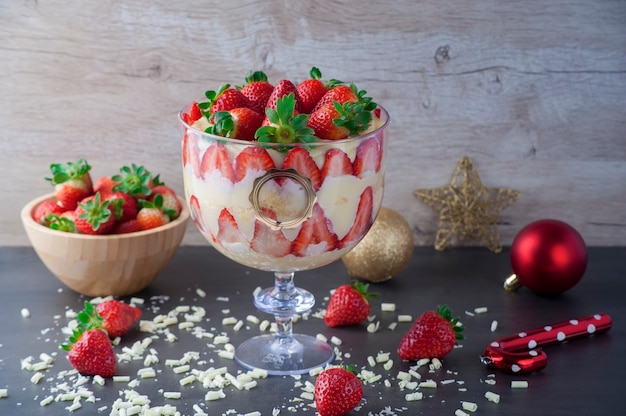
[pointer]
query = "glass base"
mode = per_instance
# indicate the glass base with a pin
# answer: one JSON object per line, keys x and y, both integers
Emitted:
{"x": 284, "y": 356}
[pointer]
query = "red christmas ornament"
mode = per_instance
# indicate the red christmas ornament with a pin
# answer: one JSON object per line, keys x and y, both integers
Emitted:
{"x": 548, "y": 257}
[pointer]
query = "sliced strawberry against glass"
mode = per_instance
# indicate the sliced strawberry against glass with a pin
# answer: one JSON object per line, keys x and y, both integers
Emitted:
{"x": 253, "y": 161}
{"x": 228, "y": 230}
{"x": 315, "y": 235}
{"x": 301, "y": 161}
{"x": 369, "y": 157}
{"x": 363, "y": 220}
{"x": 269, "y": 241}
{"x": 216, "y": 158}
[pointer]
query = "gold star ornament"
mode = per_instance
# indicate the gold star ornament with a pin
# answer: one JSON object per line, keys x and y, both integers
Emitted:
{"x": 467, "y": 209}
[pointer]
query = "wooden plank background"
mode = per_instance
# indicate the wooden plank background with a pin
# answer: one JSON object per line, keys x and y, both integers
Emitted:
{"x": 534, "y": 92}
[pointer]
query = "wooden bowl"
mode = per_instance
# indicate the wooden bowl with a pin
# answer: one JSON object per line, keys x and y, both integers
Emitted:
{"x": 118, "y": 265}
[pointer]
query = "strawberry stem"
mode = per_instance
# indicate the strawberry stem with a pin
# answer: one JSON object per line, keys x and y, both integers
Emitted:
{"x": 446, "y": 313}
{"x": 63, "y": 172}
{"x": 285, "y": 127}
{"x": 134, "y": 180}
{"x": 96, "y": 212}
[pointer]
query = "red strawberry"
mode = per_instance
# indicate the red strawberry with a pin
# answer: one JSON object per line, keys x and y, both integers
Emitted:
{"x": 91, "y": 353}
{"x": 238, "y": 123}
{"x": 336, "y": 163}
{"x": 348, "y": 305}
{"x": 151, "y": 213}
{"x": 321, "y": 121}
{"x": 284, "y": 124}
{"x": 363, "y": 220}
{"x": 104, "y": 185}
{"x": 190, "y": 153}
{"x": 228, "y": 229}
{"x": 193, "y": 115}
{"x": 310, "y": 91}
{"x": 125, "y": 207}
{"x": 300, "y": 160}
{"x": 252, "y": 159}
{"x": 226, "y": 98}
{"x": 72, "y": 182}
{"x": 337, "y": 391}
{"x": 340, "y": 93}
{"x": 269, "y": 242}
{"x": 196, "y": 215}
{"x": 257, "y": 90}
{"x": 314, "y": 235}
{"x": 126, "y": 227}
{"x": 134, "y": 180}
{"x": 43, "y": 211}
{"x": 117, "y": 317}
{"x": 368, "y": 158}
{"x": 171, "y": 204}
{"x": 94, "y": 216}
{"x": 282, "y": 88}
{"x": 216, "y": 158}
{"x": 433, "y": 334}
{"x": 89, "y": 348}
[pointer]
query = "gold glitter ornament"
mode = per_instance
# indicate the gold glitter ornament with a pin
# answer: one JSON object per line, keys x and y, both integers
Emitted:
{"x": 467, "y": 209}
{"x": 384, "y": 251}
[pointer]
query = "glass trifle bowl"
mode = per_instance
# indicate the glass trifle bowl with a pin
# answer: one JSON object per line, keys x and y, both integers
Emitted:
{"x": 283, "y": 208}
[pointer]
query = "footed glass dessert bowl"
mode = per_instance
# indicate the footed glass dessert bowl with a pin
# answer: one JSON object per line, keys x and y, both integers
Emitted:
{"x": 282, "y": 208}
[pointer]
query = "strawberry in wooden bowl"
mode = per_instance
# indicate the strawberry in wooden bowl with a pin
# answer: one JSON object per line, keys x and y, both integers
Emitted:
{"x": 108, "y": 237}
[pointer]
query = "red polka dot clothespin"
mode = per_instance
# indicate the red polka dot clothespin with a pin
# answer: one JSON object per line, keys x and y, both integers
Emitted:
{"x": 518, "y": 354}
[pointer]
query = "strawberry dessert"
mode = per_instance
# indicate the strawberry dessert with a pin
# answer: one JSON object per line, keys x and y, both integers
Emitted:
{"x": 285, "y": 176}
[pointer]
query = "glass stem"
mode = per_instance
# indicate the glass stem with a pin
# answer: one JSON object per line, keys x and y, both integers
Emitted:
{"x": 284, "y": 292}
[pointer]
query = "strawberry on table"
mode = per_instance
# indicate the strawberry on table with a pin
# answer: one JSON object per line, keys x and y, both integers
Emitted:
{"x": 94, "y": 216}
{"x": 257, "y": 90}
{"x": 72, "y": 182}
{"x": 348, "y": 305}
{"x": 117, "y": 317}
{"x": 89, "y": 347}
{"x": 337, "y": 391}
{"x": 432, "y": 335}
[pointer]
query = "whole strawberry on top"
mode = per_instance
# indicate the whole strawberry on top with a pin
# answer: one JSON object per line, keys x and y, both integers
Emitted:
{"x": 337, "y": 391}
{"x": 348, "y": 305}
{"x": 72, "y": 182}
{"x": 432, "y": 335}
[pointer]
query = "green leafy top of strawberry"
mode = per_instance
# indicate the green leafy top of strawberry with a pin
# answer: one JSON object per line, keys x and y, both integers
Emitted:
{"x": 355, "y": 116}
{"x": 221, "y": 124}
{"x": 61, "y": 224}
{"x": 255, "y": 76}
{"x": 96, "y": 212}
{"x": 315, "y": 73}
{"x": 363, "y": 288}
{"x": 285, "y": 127}
{"x": 211, "y": 97}
{"x": 157, "y": 203}
{"x": 445, "y": 312}
{"x": 88, "y": 319}
{"x": 63, "y": 172}
{"x": 134, "y": 180}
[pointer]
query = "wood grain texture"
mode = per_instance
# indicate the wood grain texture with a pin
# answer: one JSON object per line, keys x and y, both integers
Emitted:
{"x": 533, "y": 92}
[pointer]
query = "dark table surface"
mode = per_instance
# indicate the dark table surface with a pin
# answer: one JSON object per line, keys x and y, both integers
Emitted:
{"x": 583, "y": 377}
